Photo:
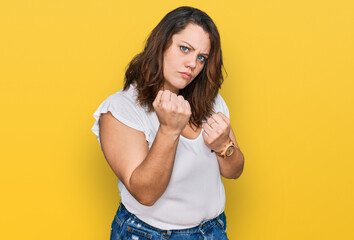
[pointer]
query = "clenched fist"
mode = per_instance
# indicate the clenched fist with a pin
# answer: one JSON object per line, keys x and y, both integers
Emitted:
{"x": 172, "y": 111}
{"x": 216, "y": 132}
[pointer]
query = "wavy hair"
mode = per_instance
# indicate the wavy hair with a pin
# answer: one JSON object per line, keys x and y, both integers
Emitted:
{"x": 146, "y": 68}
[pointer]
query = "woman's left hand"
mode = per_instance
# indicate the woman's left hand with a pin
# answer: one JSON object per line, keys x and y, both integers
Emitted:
{"x": 216, "y": 132}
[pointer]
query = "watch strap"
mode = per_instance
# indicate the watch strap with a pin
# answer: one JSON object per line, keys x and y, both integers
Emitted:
{"x": 223, "y": 152}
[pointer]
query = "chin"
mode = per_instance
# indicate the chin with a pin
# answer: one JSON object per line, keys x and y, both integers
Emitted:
{"x": 178, "y": 83}
{"x": 182, "y": 85}
{"x": 178, "y": 86}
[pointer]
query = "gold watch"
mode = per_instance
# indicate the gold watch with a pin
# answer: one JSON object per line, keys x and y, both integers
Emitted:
{"x": 228, "y": 150}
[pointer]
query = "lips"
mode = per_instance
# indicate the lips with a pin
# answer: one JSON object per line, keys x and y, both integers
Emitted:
{"x": 186, "y": 75}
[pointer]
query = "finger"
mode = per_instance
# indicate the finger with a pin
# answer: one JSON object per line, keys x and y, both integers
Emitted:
{"x": 174, "y": 103}
{"x": 222, "y": 125}
{"x": 226, "y": 119}
{"x": 181, "y": 104}
{"x": 180, "y": 100}
{"x": 211, "y": 121}
{"x": 208, "y": 129}
{"x": 174, "y": 98}
{"x": 166, "y": 96}
{"x": 218, "y": 119}
{"x": 158, "y": 97}
{"x": 205, "y": 133}
{"x": 188, "y": 107}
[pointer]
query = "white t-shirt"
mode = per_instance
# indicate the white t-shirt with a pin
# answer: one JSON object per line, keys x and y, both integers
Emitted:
{"x": 195, "y": 192}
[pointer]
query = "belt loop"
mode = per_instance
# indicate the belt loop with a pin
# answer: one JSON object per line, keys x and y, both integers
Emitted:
{"x": 220, "y": 223}
{"x": 203, "y": 225}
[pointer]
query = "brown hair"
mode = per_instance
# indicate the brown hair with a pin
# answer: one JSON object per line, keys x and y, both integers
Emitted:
{"x": 146, "y": 68}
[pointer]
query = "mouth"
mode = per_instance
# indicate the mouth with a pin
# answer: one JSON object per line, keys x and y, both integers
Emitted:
{"x": 186, "y": 75}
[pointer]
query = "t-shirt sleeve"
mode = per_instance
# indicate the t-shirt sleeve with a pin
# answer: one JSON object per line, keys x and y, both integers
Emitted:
{"x": 124, "y": 109}
{"x": 220, "y": 106}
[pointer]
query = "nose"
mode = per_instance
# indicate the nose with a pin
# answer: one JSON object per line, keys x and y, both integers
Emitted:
{"x": 191, "y": 61}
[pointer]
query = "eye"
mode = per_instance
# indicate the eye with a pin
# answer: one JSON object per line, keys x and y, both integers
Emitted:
{"x": 184, "y": 49}
{"x": 201, "y": 58}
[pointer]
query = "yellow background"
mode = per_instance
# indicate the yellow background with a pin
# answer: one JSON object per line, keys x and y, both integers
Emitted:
{"x": 289, "y": 90}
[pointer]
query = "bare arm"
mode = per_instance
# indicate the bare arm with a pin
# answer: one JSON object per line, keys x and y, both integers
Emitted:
{"x": 145, "y": 173}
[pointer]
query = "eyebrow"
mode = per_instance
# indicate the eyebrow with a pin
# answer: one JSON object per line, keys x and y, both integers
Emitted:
{"x": 194, "y": 48}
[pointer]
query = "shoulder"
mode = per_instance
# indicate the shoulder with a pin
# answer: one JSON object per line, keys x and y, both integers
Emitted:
{"x": 123, "y": 96}
{"x": 219, "y": 99}
{"x": 123, "y": 106}
{"x": 221, "y": 106}
{"x": 123, "y": 101}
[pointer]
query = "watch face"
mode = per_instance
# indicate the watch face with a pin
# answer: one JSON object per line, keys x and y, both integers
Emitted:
{"x": 230, "y": 151}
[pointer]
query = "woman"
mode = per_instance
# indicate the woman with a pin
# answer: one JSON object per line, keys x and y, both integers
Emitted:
{"x": 167, "y": 135}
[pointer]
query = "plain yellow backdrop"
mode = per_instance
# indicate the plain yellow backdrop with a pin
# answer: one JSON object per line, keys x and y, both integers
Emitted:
{"x": 289, "y": 89}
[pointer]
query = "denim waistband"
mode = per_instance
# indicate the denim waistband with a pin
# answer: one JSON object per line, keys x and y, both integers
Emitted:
{"x": 202, "y": 227}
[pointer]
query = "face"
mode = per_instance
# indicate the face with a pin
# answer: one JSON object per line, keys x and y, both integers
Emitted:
{"x": 185, "y": 57}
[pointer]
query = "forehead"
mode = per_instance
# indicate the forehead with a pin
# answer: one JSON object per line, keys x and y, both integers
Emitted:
{"x": 195, "y": 36}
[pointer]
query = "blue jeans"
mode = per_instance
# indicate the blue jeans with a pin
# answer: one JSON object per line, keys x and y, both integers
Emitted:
{"x": 127, "y": 226}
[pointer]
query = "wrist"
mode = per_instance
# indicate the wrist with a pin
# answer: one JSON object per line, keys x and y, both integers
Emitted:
{"x": 227, "y": 151}
{"x": 222, "y": 146}
{"x": 169, "y": 132}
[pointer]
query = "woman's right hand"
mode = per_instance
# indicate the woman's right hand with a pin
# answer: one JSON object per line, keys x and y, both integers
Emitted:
{"x": 172, "y": 111}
